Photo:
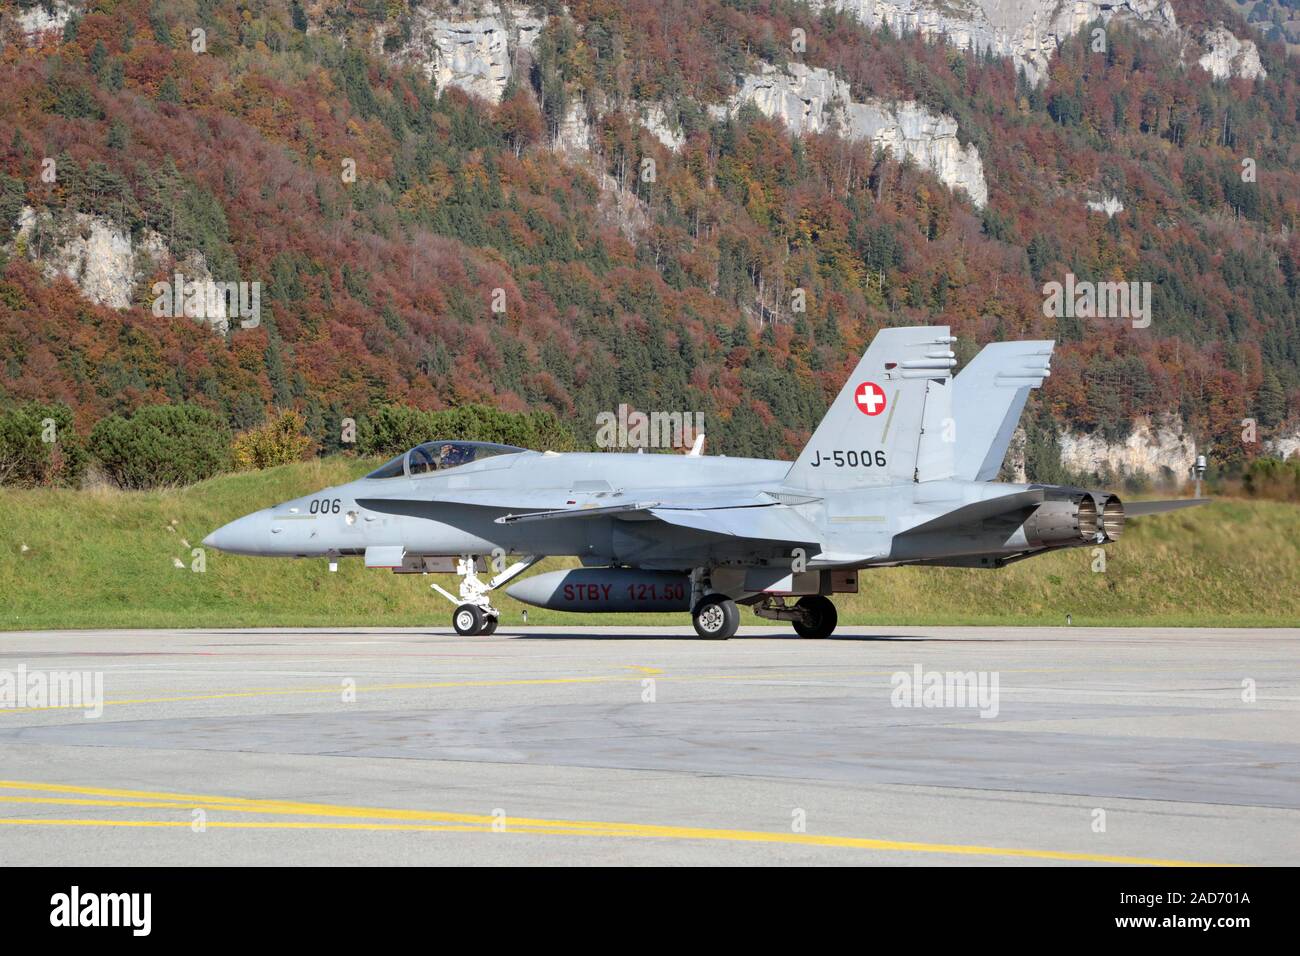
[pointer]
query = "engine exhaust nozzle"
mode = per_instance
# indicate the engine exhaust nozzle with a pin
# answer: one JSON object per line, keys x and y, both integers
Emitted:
{"x": 1062, "y": 523}
{"x": 1112, "y": 518}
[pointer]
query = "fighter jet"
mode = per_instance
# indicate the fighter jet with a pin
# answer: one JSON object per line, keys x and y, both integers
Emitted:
{"x": 900, "y": 471}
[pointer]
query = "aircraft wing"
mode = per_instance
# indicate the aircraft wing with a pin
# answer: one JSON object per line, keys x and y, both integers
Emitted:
{"x": 771, "y": 522}
{"x": 724, "y": 513}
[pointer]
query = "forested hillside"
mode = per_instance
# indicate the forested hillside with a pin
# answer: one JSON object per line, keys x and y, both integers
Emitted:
{"x": 677, "y": 291}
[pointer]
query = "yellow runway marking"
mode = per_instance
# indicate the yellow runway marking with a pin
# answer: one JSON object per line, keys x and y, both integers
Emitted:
{"x": 386, "y": 818}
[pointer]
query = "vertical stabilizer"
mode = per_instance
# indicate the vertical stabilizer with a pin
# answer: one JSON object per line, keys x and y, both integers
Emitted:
{"x": 988, "y": 396}
{"x": 871, "y": 434}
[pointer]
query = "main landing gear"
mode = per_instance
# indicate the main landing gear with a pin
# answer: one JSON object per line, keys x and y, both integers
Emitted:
{"x": 474, "y": 614}
{"x": 813, "y": 615}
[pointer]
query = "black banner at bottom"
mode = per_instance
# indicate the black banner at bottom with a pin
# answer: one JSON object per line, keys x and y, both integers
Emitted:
{"x": 334, "y": 906}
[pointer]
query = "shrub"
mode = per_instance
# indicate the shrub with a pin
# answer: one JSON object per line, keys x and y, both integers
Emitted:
{"x": 40, "y": 446}
{"x": 395, "y": 428}
{"x": 392, "y": 429}
{"x": 161, "y": 445}
{"x": 277, "y": 442}
{"x": 1271, "y": 478}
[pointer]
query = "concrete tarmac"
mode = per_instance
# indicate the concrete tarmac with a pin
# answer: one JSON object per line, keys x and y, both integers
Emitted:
{"x": 632, "y": 745}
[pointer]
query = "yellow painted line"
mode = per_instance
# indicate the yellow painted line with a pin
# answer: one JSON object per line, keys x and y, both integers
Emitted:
{"x": 257, "y": 805}
{"x": 294, "y": 825}
{"x": 441, "y": 820}
{"x": 269, "y": 809}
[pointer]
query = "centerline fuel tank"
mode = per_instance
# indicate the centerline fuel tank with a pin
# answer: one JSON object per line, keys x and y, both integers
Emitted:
{"x": 605, "y": 589}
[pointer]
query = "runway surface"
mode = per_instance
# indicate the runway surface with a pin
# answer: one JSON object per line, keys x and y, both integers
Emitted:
{"x": 647, "y": 745}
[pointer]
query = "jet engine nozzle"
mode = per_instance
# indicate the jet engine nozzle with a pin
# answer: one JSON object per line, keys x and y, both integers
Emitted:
{"x": 1062, "y": 523}
{"x": 1112, "y": 517}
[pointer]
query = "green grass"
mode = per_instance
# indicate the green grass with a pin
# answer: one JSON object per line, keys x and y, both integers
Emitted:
{"x": 105, "y": 558}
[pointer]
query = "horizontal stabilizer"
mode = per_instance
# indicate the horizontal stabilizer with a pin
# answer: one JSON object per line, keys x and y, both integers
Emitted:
{"x": 1136, "y": 509}
{"x": 980, "y": 511}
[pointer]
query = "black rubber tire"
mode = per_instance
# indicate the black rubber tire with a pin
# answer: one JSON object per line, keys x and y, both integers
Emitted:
{"x": 822, "y": 617}
{"x": 467, "y": 620}
{"x": 489, "y": 625}
{"x": 716, "y": 617}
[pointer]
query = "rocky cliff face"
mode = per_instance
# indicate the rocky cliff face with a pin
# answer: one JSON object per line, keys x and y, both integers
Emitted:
{"x": 910, "y": 130}
{"x": 101, "y": 259}
{"x": 35, "y": 19}
{"x": 1226, "y": 56}
{"x": 1288, "y": 446}
{"x": 654, "y": 119}
{"x": 814, "y": 100}
{"x": 573, "y": 135}
{"x": 106, "y": 263}
{"x": 1028, "y": 31}
{"x": 476, "y": 55}
{"x": 1158, "y": 451}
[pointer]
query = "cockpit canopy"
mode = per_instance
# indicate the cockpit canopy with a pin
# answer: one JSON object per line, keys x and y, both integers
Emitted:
{"x": 439, "y": 455}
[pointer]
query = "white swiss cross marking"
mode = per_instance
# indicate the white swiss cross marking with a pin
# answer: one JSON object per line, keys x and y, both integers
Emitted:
{"x": 870, "y": 398}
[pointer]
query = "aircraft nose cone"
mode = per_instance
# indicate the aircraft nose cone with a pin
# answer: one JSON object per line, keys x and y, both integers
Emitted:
{"x": 247, "y": 535}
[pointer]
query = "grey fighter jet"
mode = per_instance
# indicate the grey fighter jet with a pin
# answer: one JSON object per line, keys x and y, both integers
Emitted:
{"x": 900, "y": 471}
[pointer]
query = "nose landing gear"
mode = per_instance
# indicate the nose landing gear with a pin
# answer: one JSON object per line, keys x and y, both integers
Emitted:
{"x": 474, "y": 615}
{"x": 470, "y": 620}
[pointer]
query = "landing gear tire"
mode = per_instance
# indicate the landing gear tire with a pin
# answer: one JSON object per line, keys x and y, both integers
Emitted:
{"x": 716, "y": 618}
{"x": 489, "y": 625}
{"x": 820, "y": 617}
{"x": 468, "y": 620}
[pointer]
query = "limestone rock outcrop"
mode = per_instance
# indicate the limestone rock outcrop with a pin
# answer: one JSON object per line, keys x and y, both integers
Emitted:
{"x": 814, "y": 100}
{"x": 1227, "y": 57}
{"x": 1027, "y": 31}
{"x": 476, "y": 54}
{"x": 103, "y": 260}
